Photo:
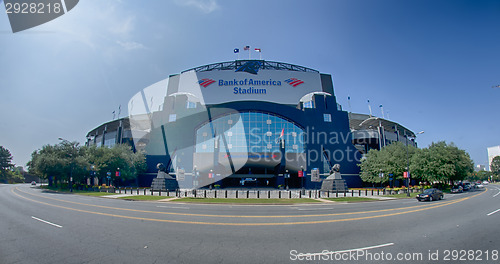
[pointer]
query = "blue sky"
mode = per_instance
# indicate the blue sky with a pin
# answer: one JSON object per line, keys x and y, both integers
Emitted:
{"x": 431, "y": 64}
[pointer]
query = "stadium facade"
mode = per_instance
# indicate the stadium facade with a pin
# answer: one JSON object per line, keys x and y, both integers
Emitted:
{"x": 247, "y": 123}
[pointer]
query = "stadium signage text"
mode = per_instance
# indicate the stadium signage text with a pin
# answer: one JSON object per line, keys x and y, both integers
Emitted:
{"x": 269, "y": 82}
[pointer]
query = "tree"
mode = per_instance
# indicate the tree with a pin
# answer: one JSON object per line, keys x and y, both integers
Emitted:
{"x": 495, "y": 166}
{"x": 5, "y": 159}
{"x": 118, "y": 158}
{"x": 57, "y": 162}
{"x": 442, "y": 163}
{"x": 7, "y": 172}
{"x": 68, "y": 159}
{"x": 391, "y": 159}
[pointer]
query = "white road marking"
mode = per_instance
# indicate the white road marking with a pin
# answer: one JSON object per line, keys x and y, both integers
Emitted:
{"x": 311, "y": 209}
{"x": 493, "y": 212}
{"x": 350, "y": 250}
{"x": 47, "y": 222}
{"x": 173, "y": 207}
{"x": 497, "y": 193}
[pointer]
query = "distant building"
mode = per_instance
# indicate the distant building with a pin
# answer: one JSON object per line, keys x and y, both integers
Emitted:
{"x": 493, "y": 152}
{"x": 480, "y": 167}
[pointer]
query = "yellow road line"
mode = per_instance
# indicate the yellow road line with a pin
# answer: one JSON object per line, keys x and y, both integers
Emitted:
{"x": 243, "y": 224}
{"x": 227, "y": 216}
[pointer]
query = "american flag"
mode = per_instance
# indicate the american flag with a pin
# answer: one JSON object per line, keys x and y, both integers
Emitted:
{"x": 246, "y": 48}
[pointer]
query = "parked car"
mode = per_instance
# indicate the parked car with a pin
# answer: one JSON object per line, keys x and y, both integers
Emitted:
{"x": 33, "y": 183}
{"x": 485, "y": 182}
{"x": 466, "y": 186}
{"x": 457, "y": 189}
{"x": 479, "y": 186}
{"x": 430, "y": 195}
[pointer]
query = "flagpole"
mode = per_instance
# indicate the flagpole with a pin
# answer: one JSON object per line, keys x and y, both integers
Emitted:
{"x": 349, "y": 103}
{"x": 382, "y": 109}
{"x": 370, "y": 108}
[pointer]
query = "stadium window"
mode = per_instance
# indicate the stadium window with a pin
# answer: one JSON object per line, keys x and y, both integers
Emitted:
{"x": 308, "y": 104}
{"x": 327, "y": 117}
{"x": 172, "y": 118}
{"x": 190, "y": 104}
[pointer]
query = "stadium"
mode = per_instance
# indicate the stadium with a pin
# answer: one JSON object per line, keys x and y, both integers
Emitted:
{"x": 247, "y": 123}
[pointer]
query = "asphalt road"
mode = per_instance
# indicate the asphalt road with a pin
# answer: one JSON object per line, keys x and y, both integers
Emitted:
{"x": 42, "y": 227}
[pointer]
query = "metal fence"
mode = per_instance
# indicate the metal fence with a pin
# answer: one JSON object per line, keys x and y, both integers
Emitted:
{"x": 255, "y": 193}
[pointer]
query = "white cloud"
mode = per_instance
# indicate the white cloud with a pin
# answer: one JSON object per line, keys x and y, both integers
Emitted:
{"x": 130, "y": 45}
{"x": 206, "y": 6}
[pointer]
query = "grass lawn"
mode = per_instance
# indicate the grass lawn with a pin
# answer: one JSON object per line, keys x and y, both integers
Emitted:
{"x": 351, "y": 199}
{"x": 402, "y": 195}
{"x": 144, "y": 198}
{"x": 91, "y": 193}
{"x": 246, "y": 201}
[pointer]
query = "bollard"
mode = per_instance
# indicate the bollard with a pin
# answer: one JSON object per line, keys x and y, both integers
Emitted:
{"x": 366, "y": 192}
{"x": 168, "y": 192}
{"x": 268, "y": 194}
{"x": 258, "y": 194}
{"x": 352, "y": 193}
{"x": 159, "y": 193}
{"x": 205, "y": 194}
{"x": 279, "y": 195}
{"x": 328, "y": 194}
{"x": 300, "y": 194}
{"x": 120, "y": 190}
{"x": 144, "y": 191}
{"x": 372, "y": 192}
{"x": 186, "y": 194}
{"x": 248, "y": 193}
{"x": 215, "y": 194}
{"x": 151, "y": 191}
{"x": 289, "y": 194}
{"x": 336, "y": 193}
{"x": 310, "y": 194}
{"x": 137, "y": 190}
{"x": 359, "y": 193}
{"x": 319, "y": 194}
{"x": 345, "y": 193}
{"x": 236, "y": 193}
{"x": 225, "y": 193}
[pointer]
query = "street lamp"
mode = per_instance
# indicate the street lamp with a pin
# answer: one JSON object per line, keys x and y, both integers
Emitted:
{"x": 408, "y": 164}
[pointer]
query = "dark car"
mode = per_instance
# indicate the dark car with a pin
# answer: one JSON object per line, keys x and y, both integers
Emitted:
{"x": 430, "y": 195}
{"x": 457, "y": 189}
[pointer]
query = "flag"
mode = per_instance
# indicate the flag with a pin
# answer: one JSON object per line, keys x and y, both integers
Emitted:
{"x": 246, "y": 48}
{"x": 258, "y": 50}
{"x": 380, "y": 106}
{"x": 282, "y": 133}
{"x": 236, "y": 50}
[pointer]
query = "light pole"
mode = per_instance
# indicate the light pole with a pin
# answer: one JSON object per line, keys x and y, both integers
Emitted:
{"x": 72, "y": 155}
{"x": 408, "y": 164}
